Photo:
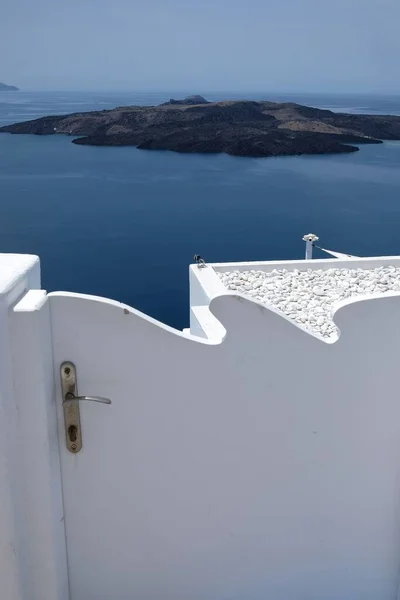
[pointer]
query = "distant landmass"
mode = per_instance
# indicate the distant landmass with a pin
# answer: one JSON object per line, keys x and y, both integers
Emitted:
{"x": 240, "y": 128}
{"x": 8, "y": 88}
{"x": 189, "y": 100}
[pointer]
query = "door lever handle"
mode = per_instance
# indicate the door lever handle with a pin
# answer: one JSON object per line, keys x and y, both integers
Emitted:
{"x": 70, "y": 405}
{"x": 70, "y": 397}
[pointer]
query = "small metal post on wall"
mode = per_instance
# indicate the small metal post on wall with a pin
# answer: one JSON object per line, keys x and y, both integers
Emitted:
{"x": 309, "y": 239}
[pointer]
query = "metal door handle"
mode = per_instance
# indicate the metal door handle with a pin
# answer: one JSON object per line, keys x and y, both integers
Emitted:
{"x": 69, "y": 397}
{"x": 70, "y": 403}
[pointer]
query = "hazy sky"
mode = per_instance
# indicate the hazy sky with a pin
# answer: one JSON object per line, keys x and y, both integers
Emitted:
{"x": 201, "y": 45}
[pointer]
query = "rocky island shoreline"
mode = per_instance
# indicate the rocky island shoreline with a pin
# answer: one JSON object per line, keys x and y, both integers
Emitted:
{"x": 240, "y": 128}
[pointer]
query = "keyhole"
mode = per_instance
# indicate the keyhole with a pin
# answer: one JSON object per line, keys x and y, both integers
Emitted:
{"x": 72, "y": 433}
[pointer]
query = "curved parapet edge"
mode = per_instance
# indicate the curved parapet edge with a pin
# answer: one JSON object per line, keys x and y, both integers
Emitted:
{"x": 348, "y": 314}
{"x": 129, "y": 310}
{"x": 239, "y": 314}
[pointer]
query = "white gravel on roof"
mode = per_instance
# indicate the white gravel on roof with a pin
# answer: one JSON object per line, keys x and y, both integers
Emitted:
{"x": 308, "y": 297}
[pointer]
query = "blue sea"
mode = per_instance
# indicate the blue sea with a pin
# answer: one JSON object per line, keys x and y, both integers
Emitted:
{"x": 125, "y": 223}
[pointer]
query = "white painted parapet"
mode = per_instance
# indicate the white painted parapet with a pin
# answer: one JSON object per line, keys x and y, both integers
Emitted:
{"x": 205, "y": 283}
{"x": 17, "y": 274}
{"x": 246, "y": 460}
{"x": 32, "y": 536}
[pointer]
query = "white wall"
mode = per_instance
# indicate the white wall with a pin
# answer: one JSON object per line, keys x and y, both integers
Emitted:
{"x": 265, "y": 466}
{"x": 263, "y": 463}
{"x": 18, "y": 273}
{"x": 206, "y": 285}
{"x": 32, "y": 535}
{"x": 38, "y": 495}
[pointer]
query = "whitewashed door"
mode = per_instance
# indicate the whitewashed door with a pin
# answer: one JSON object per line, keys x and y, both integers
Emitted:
{"x": 215, "y": 474}
{"x": 140, "y": 508}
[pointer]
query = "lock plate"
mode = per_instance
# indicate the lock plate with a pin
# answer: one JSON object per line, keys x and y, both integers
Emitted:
{"x": 72, "y": 420}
